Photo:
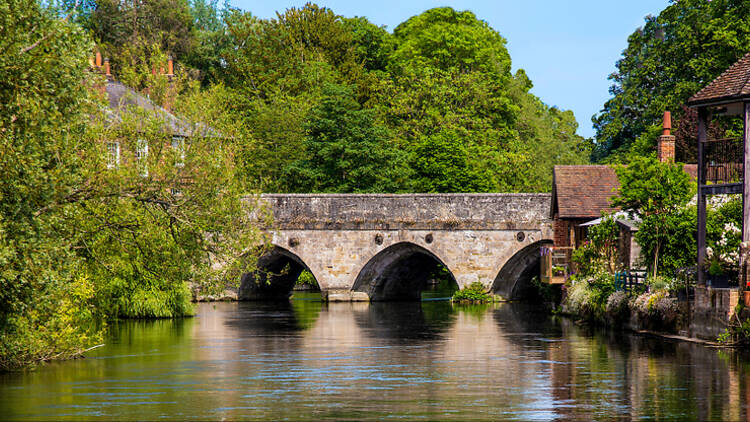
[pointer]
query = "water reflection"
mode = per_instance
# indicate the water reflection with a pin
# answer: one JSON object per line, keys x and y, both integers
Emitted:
{"x": 431, "y": 360}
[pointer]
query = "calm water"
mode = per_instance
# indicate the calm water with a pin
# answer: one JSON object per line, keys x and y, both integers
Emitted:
{"x": 429, "y": 360}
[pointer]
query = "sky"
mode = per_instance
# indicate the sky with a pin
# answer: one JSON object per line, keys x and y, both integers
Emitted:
{"x": 568, "y": 48}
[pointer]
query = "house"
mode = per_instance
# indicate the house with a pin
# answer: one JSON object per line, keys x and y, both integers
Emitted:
{"x": 122, "y": 99}
{"x": 724, "y": 164}
{"x": 582, "y": 193}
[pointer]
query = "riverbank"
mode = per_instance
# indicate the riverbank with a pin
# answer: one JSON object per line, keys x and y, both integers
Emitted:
{"x": 704, "y": 316}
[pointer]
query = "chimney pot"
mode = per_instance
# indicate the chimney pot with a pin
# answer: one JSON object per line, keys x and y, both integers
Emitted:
{"x": 665, "y": 148}
{"x": 106, "y": 68}
{"x": 170, "y": 66}
{"x": 98, "y": 59}
{"x": 666, "y": 124}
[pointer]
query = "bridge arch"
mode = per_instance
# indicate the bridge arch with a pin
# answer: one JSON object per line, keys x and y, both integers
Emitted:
{"x": 398, "y": 272}
{"x": 277, "y": 271}
{"x": 514, "y": 279}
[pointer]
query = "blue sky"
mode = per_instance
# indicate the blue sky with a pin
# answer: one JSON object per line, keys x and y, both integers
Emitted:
{"x": 568, "y": 48}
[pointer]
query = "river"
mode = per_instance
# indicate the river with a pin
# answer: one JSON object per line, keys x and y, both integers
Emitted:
{"x": 431, "y": 360}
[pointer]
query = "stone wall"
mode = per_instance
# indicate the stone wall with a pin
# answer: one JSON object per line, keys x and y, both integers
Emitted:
{"x": 712, "y": 311}
{"x": 501, "y": 211}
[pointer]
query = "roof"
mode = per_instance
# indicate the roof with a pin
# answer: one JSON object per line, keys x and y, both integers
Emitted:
{"x": 585, "y": 191}
{"x": 733, "y": 84}
{"x": 121, "y": 97}
{"x": 623, "y": 218}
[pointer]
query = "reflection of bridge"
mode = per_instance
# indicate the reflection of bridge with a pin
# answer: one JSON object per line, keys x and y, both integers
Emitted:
{"x": 384, "y": 247}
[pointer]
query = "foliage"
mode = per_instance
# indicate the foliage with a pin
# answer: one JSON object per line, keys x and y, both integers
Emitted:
{"x": 83, "y": 237}
{"x": 440, "y": 88}
{"x": 474, "y": 292}
{"x": 617, "y": 306}
{"x": 547, "y": 292}
{"x": 306, "y": 278}
{"x": 736, "y": 334}
{"x": 724, "y": 255}
{"x": 347, "y": 151}
{"x": 652, "y": 191}
{"x": 599, "y": 253}
{"x": 45, "y": 307}
{"x": 587, "y": 295}
{"x": 656, "y": 309}
{"x": 668, "y": 60}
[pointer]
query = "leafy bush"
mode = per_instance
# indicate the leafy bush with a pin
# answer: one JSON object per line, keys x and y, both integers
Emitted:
{"x": 587, "y": 296}
{"x": 306, "y": 278}
{"x": 475, "y": 292}
{"x": 599, "y": 253}
{"x": 617, "y": 306}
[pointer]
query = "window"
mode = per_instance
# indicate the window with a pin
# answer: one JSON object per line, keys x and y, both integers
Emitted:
{"x": 113, "y": 154}
{"x": 141, "y": 156}
{"x": 178, "y": 143}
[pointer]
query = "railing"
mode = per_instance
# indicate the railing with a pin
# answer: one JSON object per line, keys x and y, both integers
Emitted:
{"x": 555, "y": 265}
{"x": 627, "y": 280}
{"x": 722, "y": 161}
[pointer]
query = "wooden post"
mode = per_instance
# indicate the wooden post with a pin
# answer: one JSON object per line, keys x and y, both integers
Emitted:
{"x": 745, "y": 194}
{"x": 702, "y": 124}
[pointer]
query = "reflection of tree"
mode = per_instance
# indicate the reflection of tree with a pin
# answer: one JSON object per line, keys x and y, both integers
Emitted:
{"x": 273, "y": 318}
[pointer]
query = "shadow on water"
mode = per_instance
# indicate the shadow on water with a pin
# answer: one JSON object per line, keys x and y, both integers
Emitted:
{"x": 277, "y": 317}
{"x": 406, "y": 321}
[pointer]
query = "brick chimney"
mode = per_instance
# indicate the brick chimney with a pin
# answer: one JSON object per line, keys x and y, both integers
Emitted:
{"x": 170, "y": 67}
{"x": 106, "y": 69}
{"x": 665, "y": 144}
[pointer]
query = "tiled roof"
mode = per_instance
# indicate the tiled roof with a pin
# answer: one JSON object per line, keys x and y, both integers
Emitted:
{"x": 583, "y": 191}
{"x": 734, "y": 83}
{"x": 122, "y": 97}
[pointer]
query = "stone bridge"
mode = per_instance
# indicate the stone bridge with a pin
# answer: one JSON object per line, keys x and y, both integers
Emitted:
{"x": 375, "y": 247}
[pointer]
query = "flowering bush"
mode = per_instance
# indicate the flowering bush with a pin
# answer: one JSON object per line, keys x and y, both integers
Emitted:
{"x": 724, "y": 256}
{"x": 617, "y": 306}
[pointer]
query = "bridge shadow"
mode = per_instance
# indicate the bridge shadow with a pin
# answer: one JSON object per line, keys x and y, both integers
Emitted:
{"x": 406, "y": 322}
{"x": 275, "y": 277}
{"x": 401, "y": 272}
{"x": 273, "y": 318}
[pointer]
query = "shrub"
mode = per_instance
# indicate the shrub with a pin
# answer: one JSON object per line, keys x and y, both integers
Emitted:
{"x": 306, "y": 277}
{"x": 475, "y": 292}
{"x": 617, "y": 306}
{"x": 587, "y": 297}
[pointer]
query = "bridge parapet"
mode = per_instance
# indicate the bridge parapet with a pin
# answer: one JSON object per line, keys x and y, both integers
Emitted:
{"x": 463, "y": 211}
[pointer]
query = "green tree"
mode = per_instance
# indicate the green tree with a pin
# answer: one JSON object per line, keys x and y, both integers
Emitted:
{"x": 133, "y": 25}
{"x": 669, "y": 59}
{"x": 347, "y": 150}
{"x": 46, "y": 306}
{"x": 652, "y": 191}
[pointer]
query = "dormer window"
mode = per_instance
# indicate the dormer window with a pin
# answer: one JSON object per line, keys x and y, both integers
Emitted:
{"x": 113, "y": 155}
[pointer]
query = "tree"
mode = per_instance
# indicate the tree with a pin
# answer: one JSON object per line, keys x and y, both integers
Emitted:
{"x": 46, "y": 307}
{"x": 652, "y": 191}
{"x": 87, "y": 235}
{"x": 669, "y": 59}
{"x": 347, "y": 150}
{"x": 131, "y": 24}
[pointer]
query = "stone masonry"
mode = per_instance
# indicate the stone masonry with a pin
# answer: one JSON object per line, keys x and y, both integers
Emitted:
{"x": 356, "y": 244}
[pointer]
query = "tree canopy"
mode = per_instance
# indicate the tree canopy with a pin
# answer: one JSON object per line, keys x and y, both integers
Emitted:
{"x": 668, "y": 60}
